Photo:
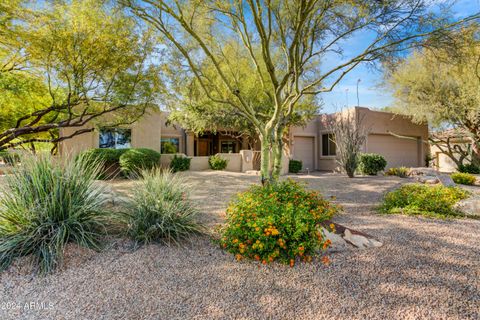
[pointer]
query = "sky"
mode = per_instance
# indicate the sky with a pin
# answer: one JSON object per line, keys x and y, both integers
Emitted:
{"x": 370, "y": 91}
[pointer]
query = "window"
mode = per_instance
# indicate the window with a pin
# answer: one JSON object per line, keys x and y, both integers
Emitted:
{"x": 328, "y": 145}
{"x": 227, "y": 146}
{"x": 115, "y": 138}
{"x": 169, "y": 145}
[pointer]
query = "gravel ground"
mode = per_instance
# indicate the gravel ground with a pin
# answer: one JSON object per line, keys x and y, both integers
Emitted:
{"x": 427, "y": 269}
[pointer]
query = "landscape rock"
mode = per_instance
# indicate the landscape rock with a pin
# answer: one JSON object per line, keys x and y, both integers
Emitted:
{"x": 469, "y": 207}
{"x": 359, "y": 241}
{"x": 338, "y": 243}
{"x": 446, "y": 180}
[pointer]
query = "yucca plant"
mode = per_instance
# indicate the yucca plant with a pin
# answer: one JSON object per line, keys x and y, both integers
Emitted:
{"x": 160, "y": 209}
{"x": 46, "y": 204}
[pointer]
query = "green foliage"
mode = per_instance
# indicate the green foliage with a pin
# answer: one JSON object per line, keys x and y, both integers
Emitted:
{"x": 44, "y": 205}
{"x": 168, "y": 147}
{"x": 440, "y": 85}
{"x": 294, "y": 166}
{"x": 9, "y": 158}
{"x": 401, "y": 172}
{"x": 66, "y": 59}
{"x": 420, "y": 199}
{"x": 109, "y": 158}
{"x": 180, "y": 163}
{"x": 216, "y": 162}
{"x": 469, "y": 168}
{"x": 463, "y": 178}
{"x": 160, "y": 210}
{"x": 278, "y": 222}
{"x": 133, "y": 161}
{"x": 371, "y": 163}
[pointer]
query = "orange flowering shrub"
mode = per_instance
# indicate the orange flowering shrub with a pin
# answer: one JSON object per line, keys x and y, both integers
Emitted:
{"x": 278, "y": 222}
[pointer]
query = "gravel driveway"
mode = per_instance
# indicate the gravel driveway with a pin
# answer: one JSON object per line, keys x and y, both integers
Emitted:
{"x": 427, "y": 269}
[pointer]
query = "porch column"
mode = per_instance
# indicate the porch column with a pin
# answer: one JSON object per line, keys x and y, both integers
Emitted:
{"x": 244, "y": 145}
{"x": 190, "y": 144}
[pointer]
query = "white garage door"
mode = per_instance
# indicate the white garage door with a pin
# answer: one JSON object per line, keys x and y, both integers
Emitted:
{"x": 304, "y": 149}
{"x": 397, "y": 151}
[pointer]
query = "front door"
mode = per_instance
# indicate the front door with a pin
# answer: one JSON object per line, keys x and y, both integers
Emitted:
{"x": 203, "y": 147}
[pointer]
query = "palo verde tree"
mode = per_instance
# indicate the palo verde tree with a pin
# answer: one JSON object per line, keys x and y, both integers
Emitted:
{"x": 66, "y": 63}
{"x": 193, "y": 110}
{"x": 287, "y": 43}
{"x": 441, "y": 85}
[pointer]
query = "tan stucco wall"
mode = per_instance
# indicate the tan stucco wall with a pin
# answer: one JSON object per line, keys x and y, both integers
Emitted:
{"x": 146, "y": 133}
{"x": 375, "y": 122}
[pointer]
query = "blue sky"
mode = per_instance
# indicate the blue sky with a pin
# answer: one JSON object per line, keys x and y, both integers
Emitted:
{"x": 371, "y": 93}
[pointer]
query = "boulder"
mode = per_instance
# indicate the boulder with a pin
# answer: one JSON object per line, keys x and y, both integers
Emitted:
{"x": 360, "y": 241}
{"x": 338, "y": 243}
{"x": 446, "y": 180}
{"x": 469, "y": 207}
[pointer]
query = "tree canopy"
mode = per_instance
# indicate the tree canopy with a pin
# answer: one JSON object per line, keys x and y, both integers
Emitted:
{"x": 65, "y": 63}
{"x": 442, "y": 86}
{"x": 286, "y": 44}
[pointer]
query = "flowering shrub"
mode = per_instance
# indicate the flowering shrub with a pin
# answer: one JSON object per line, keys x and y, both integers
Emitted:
{"x": 278, "y": 222}
{"x": 423, "y": 199}
{"x": 463, "y": 178}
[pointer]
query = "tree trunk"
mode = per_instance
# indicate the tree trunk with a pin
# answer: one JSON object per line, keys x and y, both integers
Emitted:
{"x": 265, "y": 159}
{"x": 277, "y": 155}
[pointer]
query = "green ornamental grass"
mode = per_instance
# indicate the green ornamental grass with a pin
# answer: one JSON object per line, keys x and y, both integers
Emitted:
{"x": 46, "y": 204}
{"x": 160, "y": 209}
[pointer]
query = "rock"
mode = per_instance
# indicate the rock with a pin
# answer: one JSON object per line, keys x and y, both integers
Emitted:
{"x": 338, "y": 243}
{"x": 427, "y": 179}
{"x": 446, "y": 180}
{"x": 469, "y": 207}
{"x": 359, "y": 241}
{"x": 422, "y": 171}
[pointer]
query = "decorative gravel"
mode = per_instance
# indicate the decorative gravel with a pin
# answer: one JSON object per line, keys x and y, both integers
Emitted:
{"x": 426, "y": 269}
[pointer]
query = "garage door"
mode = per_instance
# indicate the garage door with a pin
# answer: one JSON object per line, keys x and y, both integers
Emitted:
{"x": 304, "y": 149}
{"x": 397, "y": 151}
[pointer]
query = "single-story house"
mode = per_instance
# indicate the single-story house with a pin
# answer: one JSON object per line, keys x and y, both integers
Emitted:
{"x": 397, "y": 138}
{"x": 449, "y": 141}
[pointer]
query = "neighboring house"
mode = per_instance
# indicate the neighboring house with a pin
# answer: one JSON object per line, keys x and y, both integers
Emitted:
{"x": 397, "y": 138}
{"x": 454, "y": 142}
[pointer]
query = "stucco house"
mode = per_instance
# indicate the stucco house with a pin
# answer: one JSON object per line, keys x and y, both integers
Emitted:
{"x": 397, "y": 138}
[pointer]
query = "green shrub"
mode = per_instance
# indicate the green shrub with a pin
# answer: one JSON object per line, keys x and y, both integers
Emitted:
{"x": 160, "y": 210}
{"x": 469, "y": 168}
{"x": 168, "y": 147}
{"x": 216, "y": 162}
{"x": 371, "y": 163}
{"x": 133, "y": 161}
{"x": 463, "y": 178}
{"x": 401, "y": 172}
{"x": 294, "y": 166}
{"x": 423, "y": 199}
{"x": 180, "y": 163}
{"x": 110, "y": 159}
{"x": 278, "y": 222}
{"x": 9, "y": 158}
{"x": 107, "y": 159}
{"x": 44, "y": 205}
